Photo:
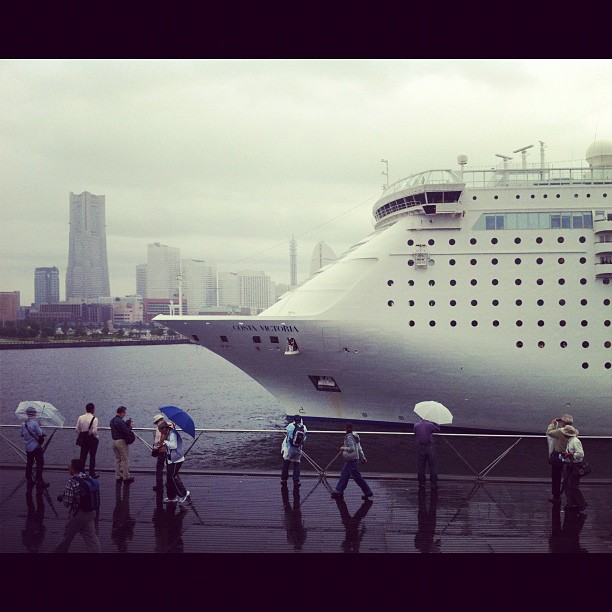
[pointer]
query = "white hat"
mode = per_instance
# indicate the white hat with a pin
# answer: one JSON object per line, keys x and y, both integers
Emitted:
{"x": 158, "y": 417}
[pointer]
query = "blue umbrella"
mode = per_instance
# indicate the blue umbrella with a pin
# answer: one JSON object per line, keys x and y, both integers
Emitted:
{"x": 181, "y": 418}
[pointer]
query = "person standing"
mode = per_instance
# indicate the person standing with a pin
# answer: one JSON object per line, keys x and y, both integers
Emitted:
{"x": 575, "y": 453}
{"x": 121, "y": 432}
{"x": 161, "y": 455}
{"x": 176, "y": 491}
{"x": 33, "y": 438}
{"x": 352, "y": 453}
{"x": 88, "y": 423}
{"x": 426, "y": 451}
{"x": 80, "y": 519}
{"x": 292, "y": 449}
{"x": 555, "y": 432}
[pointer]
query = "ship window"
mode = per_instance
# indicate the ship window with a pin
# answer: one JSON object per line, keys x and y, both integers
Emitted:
{"x": 540, "y": 281}
{"x": 518, "y": 281}
{"x": 607, "y": 322}
{"x": 292, "y": 347}
{"x": 324, "y": 383}
{"x": 532, "y": 196}
{"x": 490, "y": 222}
{"x": 453, "y": 323}
{"x": 606, "y": 302}
{"x": 474, "y": 323}
{"x": 432, "y": 283}
{"x": 511, "y": 222}
{"x": 540, "y": 302}
{"x": 495, "y": 302}
{"x": 540, "y": 323}
{"x": 452, "y": 262}
{"x": 582, "y": 239}
{"x": 566, "y": 221}
{"x": 473, "y": 262}
{"x": 411, "y": 323}
{"x": 473, "y": 282}
{"x": 432, "y": 303}
{"x": 451, "y": 241}
{"x": 519, "y": 344}
{"x": 575, "y": 195}
{"x": 390, "y": 283}
{"x": 562, "y": 281}
{"x": 495, "y": 323}
{"x": 496, "y": 197}
{"x": 431, "y": 242}
{"x": 494, "y": 241}
{"x": 562, "y": 302}
{"x": 494, "y": 261}
{"x": 257, "y": 339}
{"x": 541, "y": 344}
{"x": 608, "y": 365}
{"x": 519, "y": 323}
{"x": 555, "y": 221}
{"x": 582, "y": 260}
{"x": 224, "y": 339}
{"x": 474, "y": 302}
{"x": 453, "y": 302}
{"x": 411, "y": 262}
{"x": 195, "y": 337}
{"x": 523, "y": 220}
{"x": 545, "y": 196}
{"x": 411, "y": 283}
{"x": 390, "y": 303}
{"x": 453, "y": 282}
{"x": 562, "y": 323}
{"x": 517, "y": 241}
{"x": 519, "y": 302}
{"x": 411, "y": 303}
{"x": 585, "y": 344}
{"x": 473, "y": 241}
{"x": 410, "y": 242}
{"x": 583, "y": 281}
{"x": 585, "y": 365}
{"x": 539, "y": 261}
{"x": 577, "y": 221}
{"x": 561, "y": 260}
{"x": 432, "y": 323}
{"x": 518, "y": 197}
{"x": 517, "y": 261}
{"x": 495, "y": 282}
{"x": 584, "y": 323}
{"x": 557, "y": 195}
{"x": 560, "y": 240}
{"x": 563, "y": 344}
{"x": 274, "y": 339}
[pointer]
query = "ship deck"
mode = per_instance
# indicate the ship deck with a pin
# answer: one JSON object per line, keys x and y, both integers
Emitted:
{"x": 249, "y": 512}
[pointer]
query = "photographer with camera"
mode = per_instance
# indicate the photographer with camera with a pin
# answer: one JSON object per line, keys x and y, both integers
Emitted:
{"x": 33, "y": 438}
{"x": 122, "y": 435}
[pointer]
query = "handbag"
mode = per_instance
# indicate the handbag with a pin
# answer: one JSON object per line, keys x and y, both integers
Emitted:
{"x": 83, "y": 435}
{"x": 556, "y": 458}
{"x": 583, "y": 468}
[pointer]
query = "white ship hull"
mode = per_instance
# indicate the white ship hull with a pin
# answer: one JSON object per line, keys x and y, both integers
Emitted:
{"x": 507, "y": 325}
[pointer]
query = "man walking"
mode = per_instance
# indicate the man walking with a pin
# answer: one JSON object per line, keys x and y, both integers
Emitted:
{"x": 121, "y": 432}
{"x": 426, "y": 451}
{"x": 292, "y": 449}
{"x": 33, "y": 438}
{"x": 555, "y": 432}
{"x": 82, "y": 509}
{"x": 88, "y": 423}
{"x": 352, "y": 453}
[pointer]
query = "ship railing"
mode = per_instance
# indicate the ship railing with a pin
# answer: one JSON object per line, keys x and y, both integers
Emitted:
{"x": 390, "y": 454}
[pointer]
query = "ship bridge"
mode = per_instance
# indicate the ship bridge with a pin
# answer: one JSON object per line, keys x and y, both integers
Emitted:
{"x": 431, "y": 192}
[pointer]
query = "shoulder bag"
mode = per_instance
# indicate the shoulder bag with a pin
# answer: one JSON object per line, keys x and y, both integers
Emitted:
{"x": 83, "y": 435}
{"x": 583, "y": 468}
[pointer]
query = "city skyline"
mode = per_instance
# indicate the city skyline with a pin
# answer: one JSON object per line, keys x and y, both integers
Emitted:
{"x": 230, "y": 159}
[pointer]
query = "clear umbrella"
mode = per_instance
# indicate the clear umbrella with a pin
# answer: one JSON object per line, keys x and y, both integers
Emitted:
{"x": 47, "y": 414}
{"x": 434, "y": 412}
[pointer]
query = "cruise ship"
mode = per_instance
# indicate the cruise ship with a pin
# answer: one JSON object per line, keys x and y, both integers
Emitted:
{"x": 485, "y": 289}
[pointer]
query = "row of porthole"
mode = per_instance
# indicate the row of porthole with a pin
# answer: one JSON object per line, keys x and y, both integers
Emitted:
{"x": 517, "y": 281}
{"x": 545, "y": 196}
{"x": 518, "y": 323}
{"x": 517, "y": 260}
{"x": 519, "y": 302}
{"x": 494, "y": 240}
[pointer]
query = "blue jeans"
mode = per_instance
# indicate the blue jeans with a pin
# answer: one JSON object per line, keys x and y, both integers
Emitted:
{"x": 351, "y": 470}
{"x": 426, "y": 453}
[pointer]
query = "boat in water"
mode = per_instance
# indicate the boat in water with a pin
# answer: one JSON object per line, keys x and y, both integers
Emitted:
{"x": 485, "y": 289}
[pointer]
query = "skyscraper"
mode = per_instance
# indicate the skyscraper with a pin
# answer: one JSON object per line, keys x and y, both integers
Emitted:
{"x": 46, "y": 286}
{"x": 87, "y": 272}
{"x": 163, "y": 269}
{"x": 141, "y": 280}
{"x": 199, "y": 284}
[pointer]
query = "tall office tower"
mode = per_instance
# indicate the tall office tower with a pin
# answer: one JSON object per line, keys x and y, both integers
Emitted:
{"x": 256, "y": 290}
{"x": 199, "y": 285}
{"x": 87, "y": 272}
{"x": 293, "y": 263}
{"x": 163, "y": 269}
{"x": 228, "y": 289}
{"x": 141, "y": 280}
{"x": 46, "y": 286}
{"x": 9, "y": 306}
{"x": 322, "y": 255}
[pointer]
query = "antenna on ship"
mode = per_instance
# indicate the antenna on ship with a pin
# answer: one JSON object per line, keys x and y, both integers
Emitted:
{"x": 523, "y": 153}
{"x": 385, "y": 172}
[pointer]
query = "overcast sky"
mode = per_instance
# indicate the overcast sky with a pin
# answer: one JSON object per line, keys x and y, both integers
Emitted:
{"x": 228, "y": 159}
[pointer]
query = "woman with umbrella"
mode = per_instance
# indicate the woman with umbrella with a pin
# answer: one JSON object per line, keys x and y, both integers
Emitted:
{"x": 171, "y": 439}
{"x": 33, "y": 438}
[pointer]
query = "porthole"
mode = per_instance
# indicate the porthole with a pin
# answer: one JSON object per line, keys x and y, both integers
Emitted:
{"x": 562, "y": 281}
{"x": 257, "y": 339}
{"x": 390, "y": 303}
{"x": 582, "y": 239}
{"x": 495, "y": 282}
{"x": 473, "y": 282}
{"x": 451, "y": 241}
{"x": 432, "y": 283}
{"x": 496, "y": 197}
{"x": 453, "y": 302}
{"x": 473, "y": 241}
{"x": 607, "y": 365}
{"x": 584, "y": 323}
{"x": 519, "y": 323}
{"x": 583, "y": 281}
{"x": 585, "y": 365}
{"x": 562, "y": 323}
{"x": 539, "y": 240}
{"x": 563, "y": 344}
{"x": 495, "y": 261}
{"x": 540, "y": 302}
{"x": 410, "y": 302}
{"x": 540, "y": 323}
{"x": 561, "y": 302}
{"x": 474, "y": 198}
{"x": 540, "y": 281}
{"x": 545, "y": 196}
{"x": 517, "y": 261}
{"x": 474, "y": 302}
{"x": 453, "y": 282}
{"x": 582, "y": 260}
{"x": 453, "y": 323}
{"x": 519, "y": 344}
{"x": 557, "y": 196}
{"x": 517, "y": 241}
{"x": 585, "y": 344}
{"x": 495, "y": 302}
{"x": 519, "y": 302}
{"x": 432, "y": 324}
{"x": 518, "y": 281}
{"x": 473, "y": 262}
{"x": 411, "y": 283}
{"x": 411, "y": 262}
{"x": 541, "y": 344}
{"x": 410, "y": 242}
{"x": 607, "y": 322}
{"x": 607, "y": 344}
{"x": 452, "y": 262}
{"x": 518, "y": 197}
{"x": 495, "y": 323}
{"x": 431, "y": 242}
{"x": 539, "y": 261}
{"x": 561, "y": 260}
{"x": 474, "y": 323}
{"x": 532, "y": 196}
{"x": 606, "y": 302}
{"x": 575, "y": 195}
{"x": 560, "y": 239}
{"x": 389, "y": 282}
{"x": 583, "y": 302}
{"x": 605, "y": 195}
{"x": 432, "y": 302}
{"x": 411, "y": 323}
{"x": 494, "y": 241}
{"x": 588, "y": 195}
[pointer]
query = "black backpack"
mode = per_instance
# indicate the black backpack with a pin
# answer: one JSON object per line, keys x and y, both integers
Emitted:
{"x": 89, "y": 493}
{"x": 298, "y": 435}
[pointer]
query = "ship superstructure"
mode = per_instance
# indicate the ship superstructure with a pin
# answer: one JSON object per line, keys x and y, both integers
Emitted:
{"x": 485, "y": 289}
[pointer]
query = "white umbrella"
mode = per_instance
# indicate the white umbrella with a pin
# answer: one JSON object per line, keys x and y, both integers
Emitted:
{"x": 434, "y": 411}
{"x": 46, "y": 414}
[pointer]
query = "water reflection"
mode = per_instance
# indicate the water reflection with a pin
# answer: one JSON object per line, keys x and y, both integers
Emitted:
{"x": 424, "y": 540}
{"x": 294, "y": 524}
{"x": 566, "y": 538}
{"x": 354, "y": 531}
{"x": 33, "y": 532}
{"x": 123, "y": 524}
{"x": 168, "y": 525}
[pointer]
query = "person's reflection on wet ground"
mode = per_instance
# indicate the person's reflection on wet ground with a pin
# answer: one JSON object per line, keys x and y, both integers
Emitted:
{"x": 294, "y": 524}
{"x": 424, "y": 540}
{"x": 168, "y": 525}
{"x": 566, "y": 538}
{"x": 354, "y": 532}
{"x": 33, "y": 532}
{"x": 123, "y": 524}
